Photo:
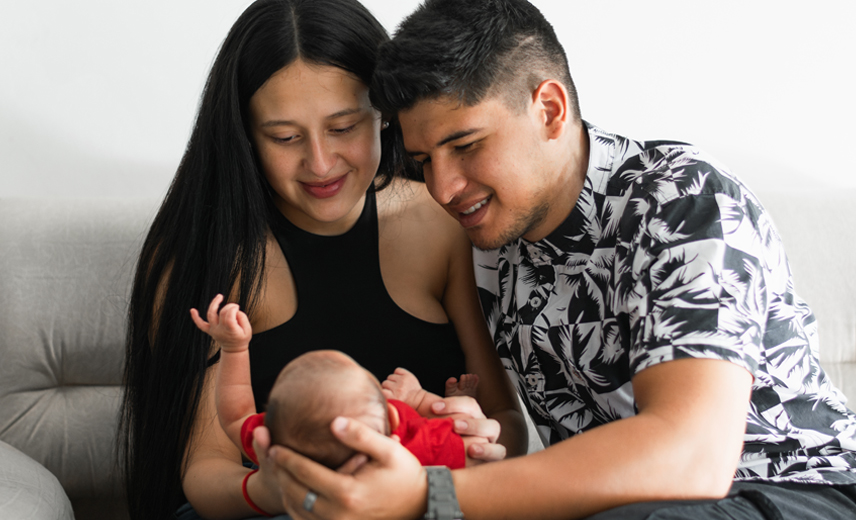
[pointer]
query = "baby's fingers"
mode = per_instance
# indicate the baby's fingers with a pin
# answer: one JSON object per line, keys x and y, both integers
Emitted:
{"x": 213, "y": 317}
{"x": 244, "y": 323}
{"x": 202, "y": 324}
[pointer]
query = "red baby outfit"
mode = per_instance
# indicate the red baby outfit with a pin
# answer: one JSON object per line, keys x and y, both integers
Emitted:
{"x": 433, "y": 441}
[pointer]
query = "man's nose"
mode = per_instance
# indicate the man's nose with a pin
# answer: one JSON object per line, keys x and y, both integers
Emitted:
{"x": 445, "y": 180}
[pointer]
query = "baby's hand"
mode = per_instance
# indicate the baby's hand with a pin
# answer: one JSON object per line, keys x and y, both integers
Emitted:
{"x": 230, "y": 328}
{"x": 466, "y": 386}
{"x": 403, "y": 386}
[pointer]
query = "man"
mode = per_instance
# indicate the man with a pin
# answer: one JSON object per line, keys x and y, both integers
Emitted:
{"x": 637, "y": 292}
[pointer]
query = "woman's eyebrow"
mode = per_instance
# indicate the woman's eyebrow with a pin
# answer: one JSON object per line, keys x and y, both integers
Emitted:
{"x": 285, "y": 122}
{"x": 346, "y": 112}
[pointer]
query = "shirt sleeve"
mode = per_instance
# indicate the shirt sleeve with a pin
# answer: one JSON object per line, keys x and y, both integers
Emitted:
{"x": 699, "y": 286}
{"x": 251, "y": 423}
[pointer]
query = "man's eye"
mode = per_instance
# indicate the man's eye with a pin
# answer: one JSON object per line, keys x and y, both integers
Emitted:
{"x": 464, "y": 147}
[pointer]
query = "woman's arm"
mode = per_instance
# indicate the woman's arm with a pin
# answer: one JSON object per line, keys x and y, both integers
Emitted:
{"x": 495, "y": 393}
{"x": 214, "y": 471}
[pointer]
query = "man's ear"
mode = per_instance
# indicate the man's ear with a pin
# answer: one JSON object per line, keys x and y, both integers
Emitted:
{"x": 394, "y": 419}
{"x": 550, "y": 100}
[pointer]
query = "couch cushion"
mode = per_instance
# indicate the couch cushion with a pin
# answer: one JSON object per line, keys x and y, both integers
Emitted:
{"x": 28, "y": 490}
{"x": 65, "y": 273}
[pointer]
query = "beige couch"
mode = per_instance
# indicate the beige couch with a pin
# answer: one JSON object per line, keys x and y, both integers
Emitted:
{"x": 65, "y": 270}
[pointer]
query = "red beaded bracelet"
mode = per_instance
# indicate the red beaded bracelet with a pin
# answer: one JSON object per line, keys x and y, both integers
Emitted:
{"x": 249, "y": 500}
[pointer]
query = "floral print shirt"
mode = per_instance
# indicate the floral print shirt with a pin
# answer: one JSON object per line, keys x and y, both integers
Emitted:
{"x": 665, "y": 256}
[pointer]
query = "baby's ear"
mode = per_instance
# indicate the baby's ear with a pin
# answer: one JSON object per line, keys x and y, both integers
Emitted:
{"x": 394, "y": 419}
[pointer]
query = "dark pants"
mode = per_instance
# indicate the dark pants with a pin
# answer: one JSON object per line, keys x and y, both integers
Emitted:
{"x": 750, "y": 501}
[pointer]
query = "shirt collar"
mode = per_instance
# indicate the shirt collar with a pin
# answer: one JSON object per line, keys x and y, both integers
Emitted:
{"x": 554, "y": 247}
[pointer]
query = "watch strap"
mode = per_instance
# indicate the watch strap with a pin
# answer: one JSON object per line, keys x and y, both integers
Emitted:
{"x": 442, "y": 501}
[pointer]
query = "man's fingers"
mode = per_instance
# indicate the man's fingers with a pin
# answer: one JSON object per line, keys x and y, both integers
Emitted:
{"x": 486, "y": 452}
{"x": 302, "y": 474}
{"x": 261, "y": 441}
{"x": 363, "y": 439}
{"x": 459, "y": 404}
{"x": 487, "y": 428}
{"x": 353, "y": 464}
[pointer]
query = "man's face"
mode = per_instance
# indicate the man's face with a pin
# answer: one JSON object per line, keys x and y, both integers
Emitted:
{"x": 485, "y": 164}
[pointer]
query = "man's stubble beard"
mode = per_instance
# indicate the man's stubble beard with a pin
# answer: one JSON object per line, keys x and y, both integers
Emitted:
{"x": 521, "y": 225}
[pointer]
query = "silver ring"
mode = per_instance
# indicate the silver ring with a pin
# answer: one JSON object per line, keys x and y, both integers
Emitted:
{"x": 309, "y": 501}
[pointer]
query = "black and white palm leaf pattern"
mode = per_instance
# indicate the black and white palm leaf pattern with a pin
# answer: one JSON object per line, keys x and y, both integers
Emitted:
{"x": 666, "y": 255}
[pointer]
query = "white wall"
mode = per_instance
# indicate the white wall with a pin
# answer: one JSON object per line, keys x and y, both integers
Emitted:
{"x": 97, "y": 97}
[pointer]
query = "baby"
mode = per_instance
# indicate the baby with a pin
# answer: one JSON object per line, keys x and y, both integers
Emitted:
{"x": 319, "y": 386}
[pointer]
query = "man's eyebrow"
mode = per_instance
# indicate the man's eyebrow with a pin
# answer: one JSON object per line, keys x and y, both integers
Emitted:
{"x": 456, "y": 136}
{"x": 340, "y": 113}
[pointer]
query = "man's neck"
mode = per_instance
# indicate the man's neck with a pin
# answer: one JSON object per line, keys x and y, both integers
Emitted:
{"x": 571, "y": 167}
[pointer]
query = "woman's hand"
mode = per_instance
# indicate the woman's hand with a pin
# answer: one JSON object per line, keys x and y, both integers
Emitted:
{"x": 479, "y": 433}
{"x": 364, "y": 495}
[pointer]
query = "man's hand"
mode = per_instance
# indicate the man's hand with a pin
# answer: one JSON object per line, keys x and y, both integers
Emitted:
{"x": 480, "y": 433}
{"x": 272, "y": 499}
{"x": 366, "y": 494}
{"x": 230, "y": 328}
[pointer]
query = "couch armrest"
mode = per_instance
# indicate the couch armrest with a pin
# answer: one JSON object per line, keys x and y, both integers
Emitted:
{"x": 28, "y": 490}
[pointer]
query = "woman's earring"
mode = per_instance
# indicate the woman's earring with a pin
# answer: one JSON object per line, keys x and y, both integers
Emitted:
{"x": 385, "y": 125}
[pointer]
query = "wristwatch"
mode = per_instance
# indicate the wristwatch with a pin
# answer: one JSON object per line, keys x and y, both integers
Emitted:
{"x": 442, "y": 502}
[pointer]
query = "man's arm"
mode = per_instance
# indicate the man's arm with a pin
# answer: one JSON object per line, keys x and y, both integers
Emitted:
{"x": 684, "y": 443}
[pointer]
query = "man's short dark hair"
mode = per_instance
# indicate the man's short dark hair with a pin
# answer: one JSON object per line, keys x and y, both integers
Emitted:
{"x": 470, "y": 50}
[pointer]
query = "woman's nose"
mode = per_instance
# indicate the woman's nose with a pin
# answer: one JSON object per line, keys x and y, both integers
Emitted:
{"x": 320, "y": 157}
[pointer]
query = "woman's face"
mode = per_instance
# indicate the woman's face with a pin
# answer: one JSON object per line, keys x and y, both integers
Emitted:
{"x": 318, "y": 139}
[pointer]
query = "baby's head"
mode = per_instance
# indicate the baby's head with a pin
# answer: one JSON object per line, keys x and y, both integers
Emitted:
{"x": 314, "y": 389}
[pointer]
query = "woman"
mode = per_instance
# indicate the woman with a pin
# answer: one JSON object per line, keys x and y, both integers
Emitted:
{"x": 277, "y": 202}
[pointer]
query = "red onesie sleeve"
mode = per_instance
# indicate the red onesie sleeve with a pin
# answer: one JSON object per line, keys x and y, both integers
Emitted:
{"x": 433, "y": 441}
{"x": 250, "y": 424}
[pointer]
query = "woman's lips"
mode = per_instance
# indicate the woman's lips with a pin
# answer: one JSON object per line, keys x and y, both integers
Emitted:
{"x": 324, "y": 190}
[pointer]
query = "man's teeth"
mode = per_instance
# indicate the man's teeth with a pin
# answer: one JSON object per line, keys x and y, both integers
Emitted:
{"x": 475, "y": 207}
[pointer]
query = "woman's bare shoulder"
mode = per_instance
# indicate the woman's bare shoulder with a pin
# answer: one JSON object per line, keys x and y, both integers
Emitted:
{"x": 405, "y": 203}
{"x": 417, "y": 235}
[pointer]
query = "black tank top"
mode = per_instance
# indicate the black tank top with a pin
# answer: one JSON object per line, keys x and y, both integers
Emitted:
{"x": 342, "y": 304}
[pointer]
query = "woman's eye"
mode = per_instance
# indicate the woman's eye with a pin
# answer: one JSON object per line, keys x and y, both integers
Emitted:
{"x": 343, "y": 130}
{"x": 286, "y": 139}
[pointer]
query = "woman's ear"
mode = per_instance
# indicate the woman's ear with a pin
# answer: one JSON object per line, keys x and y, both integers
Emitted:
{"x": 394, "y": 419}
{"x": 550, "y": 100}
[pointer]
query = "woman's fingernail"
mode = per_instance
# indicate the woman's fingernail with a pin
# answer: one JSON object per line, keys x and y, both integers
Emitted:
{"x": 461, "y": 425}
{"x": 476, "y": 449}
{"x": 439, "y": 406}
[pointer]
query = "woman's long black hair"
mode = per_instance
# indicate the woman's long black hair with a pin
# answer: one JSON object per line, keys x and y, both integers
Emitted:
{"x": 209, "y": 235}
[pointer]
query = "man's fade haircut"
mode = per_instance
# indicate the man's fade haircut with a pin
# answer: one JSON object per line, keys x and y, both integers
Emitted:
{"x": 470, "y": 50}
